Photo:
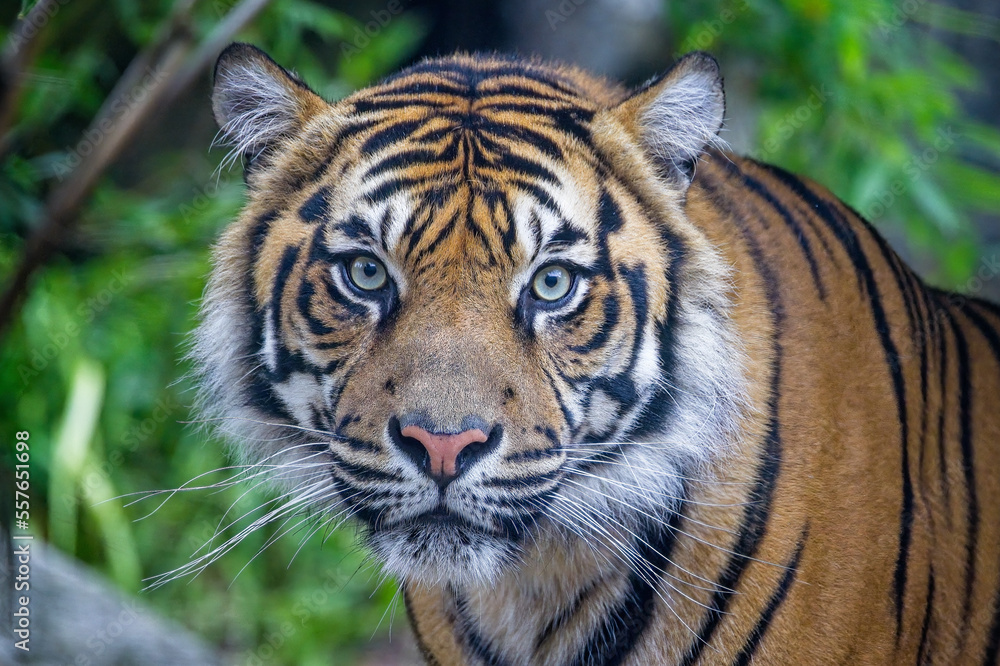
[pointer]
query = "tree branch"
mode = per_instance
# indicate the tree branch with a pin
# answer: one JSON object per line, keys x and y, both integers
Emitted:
{"x": 155, "y": 76}
{"x": 22, "y": 46}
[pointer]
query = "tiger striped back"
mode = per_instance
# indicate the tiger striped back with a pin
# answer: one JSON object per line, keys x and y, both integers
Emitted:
{"x": 598, "y": 391}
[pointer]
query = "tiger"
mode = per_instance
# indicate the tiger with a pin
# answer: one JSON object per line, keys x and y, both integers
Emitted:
{"x": 595, "y": 389}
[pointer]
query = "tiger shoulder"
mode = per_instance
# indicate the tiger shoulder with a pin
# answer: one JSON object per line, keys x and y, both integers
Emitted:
{"x": 595, "y": 390}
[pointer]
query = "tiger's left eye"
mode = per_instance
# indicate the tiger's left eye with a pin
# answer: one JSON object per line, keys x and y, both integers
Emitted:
{"x": 552, "y": 283}
{"x": 367, "y": 273}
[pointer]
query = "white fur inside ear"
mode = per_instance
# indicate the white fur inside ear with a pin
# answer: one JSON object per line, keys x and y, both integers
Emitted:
{"x": 253, "y": 105}
{"x": 686, "y": 113}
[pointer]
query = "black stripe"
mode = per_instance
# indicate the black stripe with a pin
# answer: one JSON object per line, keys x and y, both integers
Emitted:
{"x": 404, "y": 101}
{"x": 758, "y": 508}
{"x": 259, "y": 392}
{"x": 923, "y": 654}
{"x": 922, "y": 340}
{"x": 866, "y": 277}
{"x": 388, "y": 134}
{"x": 610, "y": 215}
{"x": 335, "y": 146}
{"x": 315, "y": 208}
{"x": 968, "y": 467}
{"x": 988, "y": 330}
{"x": 993, "y": 644}
{"x": 510, "y": 89}
{"x": 391, "y": 186}
{"x": 304, "y": 304}
{"x": 992, "y": 336}
{"x": 413, "y": 230}
{"x": 363, "y": 473}
{"x": 258, "y": 234}
{"x": 425, "y": 651}
{"x": 354, "y": 227}
{"x": 472, "y": 74}
{"x": 528, "y": 135}
{"x": 524, "y": 483}
{"x": 944, "y": 392}
{"x": 903, "y": 280}
{"x": 559, "y": 398}
{"x": 470, "y": 637}
{"x": 608, "y": 322}
{"x": 614, "y": 639}
{"x": 286, "y": 361}
{"x": 418, "y": 88}
{"x": 662, "y": 404}
{"x": 565, "y": 614}
{"x": 401, "y": 159}
{"x": 622, "y": 386}
{"x": 758, "y": 188}
{"x": 480, "y": 234}
{"x": 764, "y": 622}
{"x": 512, "y": 163}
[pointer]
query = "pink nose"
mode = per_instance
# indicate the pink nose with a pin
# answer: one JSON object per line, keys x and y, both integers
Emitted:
{"x": 443, "y": 449}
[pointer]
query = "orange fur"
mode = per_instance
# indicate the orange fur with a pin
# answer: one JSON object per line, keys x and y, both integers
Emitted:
{"x": 840, "y": 504}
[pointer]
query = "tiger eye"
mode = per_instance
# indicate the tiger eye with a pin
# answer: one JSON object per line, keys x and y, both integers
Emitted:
{"x": 367, "y": 273}
{"x": 552, "y": 283}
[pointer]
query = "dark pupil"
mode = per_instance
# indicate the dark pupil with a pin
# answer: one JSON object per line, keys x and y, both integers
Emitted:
{"x": 552, "y": 279}
{"x": 369, "y": 268}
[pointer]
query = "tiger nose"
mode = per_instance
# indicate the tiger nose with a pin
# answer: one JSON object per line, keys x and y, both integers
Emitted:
{"x": 442, "y": 456}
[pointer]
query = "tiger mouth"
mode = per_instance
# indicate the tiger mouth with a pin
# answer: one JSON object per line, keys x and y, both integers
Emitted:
{"x": 440, "y": 519}
{"x": 440, "y": 545}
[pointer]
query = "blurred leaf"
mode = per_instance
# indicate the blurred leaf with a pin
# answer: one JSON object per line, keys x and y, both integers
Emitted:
{"x": 74, "y": 435}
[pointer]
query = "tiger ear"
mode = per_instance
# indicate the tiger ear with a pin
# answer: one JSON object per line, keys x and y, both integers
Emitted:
{"x": 258, "y": 103}
{"x": 679, "y": 114}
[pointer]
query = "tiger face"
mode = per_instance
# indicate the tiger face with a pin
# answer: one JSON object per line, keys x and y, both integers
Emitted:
{"x": 451, "y": 303}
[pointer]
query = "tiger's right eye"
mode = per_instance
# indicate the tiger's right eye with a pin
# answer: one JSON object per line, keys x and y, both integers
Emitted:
{"x": 367, "y": 273}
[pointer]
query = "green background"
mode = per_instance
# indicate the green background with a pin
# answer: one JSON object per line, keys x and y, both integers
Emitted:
{"x": 853, "y": 94}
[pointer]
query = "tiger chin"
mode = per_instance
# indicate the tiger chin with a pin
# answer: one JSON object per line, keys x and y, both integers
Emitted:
{"x": 597, "y": 390}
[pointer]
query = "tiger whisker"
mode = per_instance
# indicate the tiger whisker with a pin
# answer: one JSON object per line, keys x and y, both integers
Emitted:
{"x": 679, "y": 531}
{"x": 638, "y": 567}
{"x": 299, "y": 428}
{"x": 199, "y": 564}
{"x": 290, "y": 493}
{"x": 641, "y": 561}
{"x": 659, "y": 472}
{"x": 649, "y": 491}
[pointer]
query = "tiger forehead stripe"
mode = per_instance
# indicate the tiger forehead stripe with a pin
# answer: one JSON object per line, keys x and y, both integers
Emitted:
{"x": 485, "y": 133}
{"x": 469, "y": 93}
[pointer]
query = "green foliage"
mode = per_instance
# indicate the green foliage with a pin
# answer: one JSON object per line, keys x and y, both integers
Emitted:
{"x": 94, "y": 368}
{"x": 856, "y": 95}
{"x": 849, "y": 93}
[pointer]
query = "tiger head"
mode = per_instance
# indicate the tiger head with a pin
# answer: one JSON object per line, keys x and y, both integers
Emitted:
{"x": 466, "y": 307}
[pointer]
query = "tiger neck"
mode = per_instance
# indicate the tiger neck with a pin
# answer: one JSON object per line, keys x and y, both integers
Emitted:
{"x": 566, "y": 598}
